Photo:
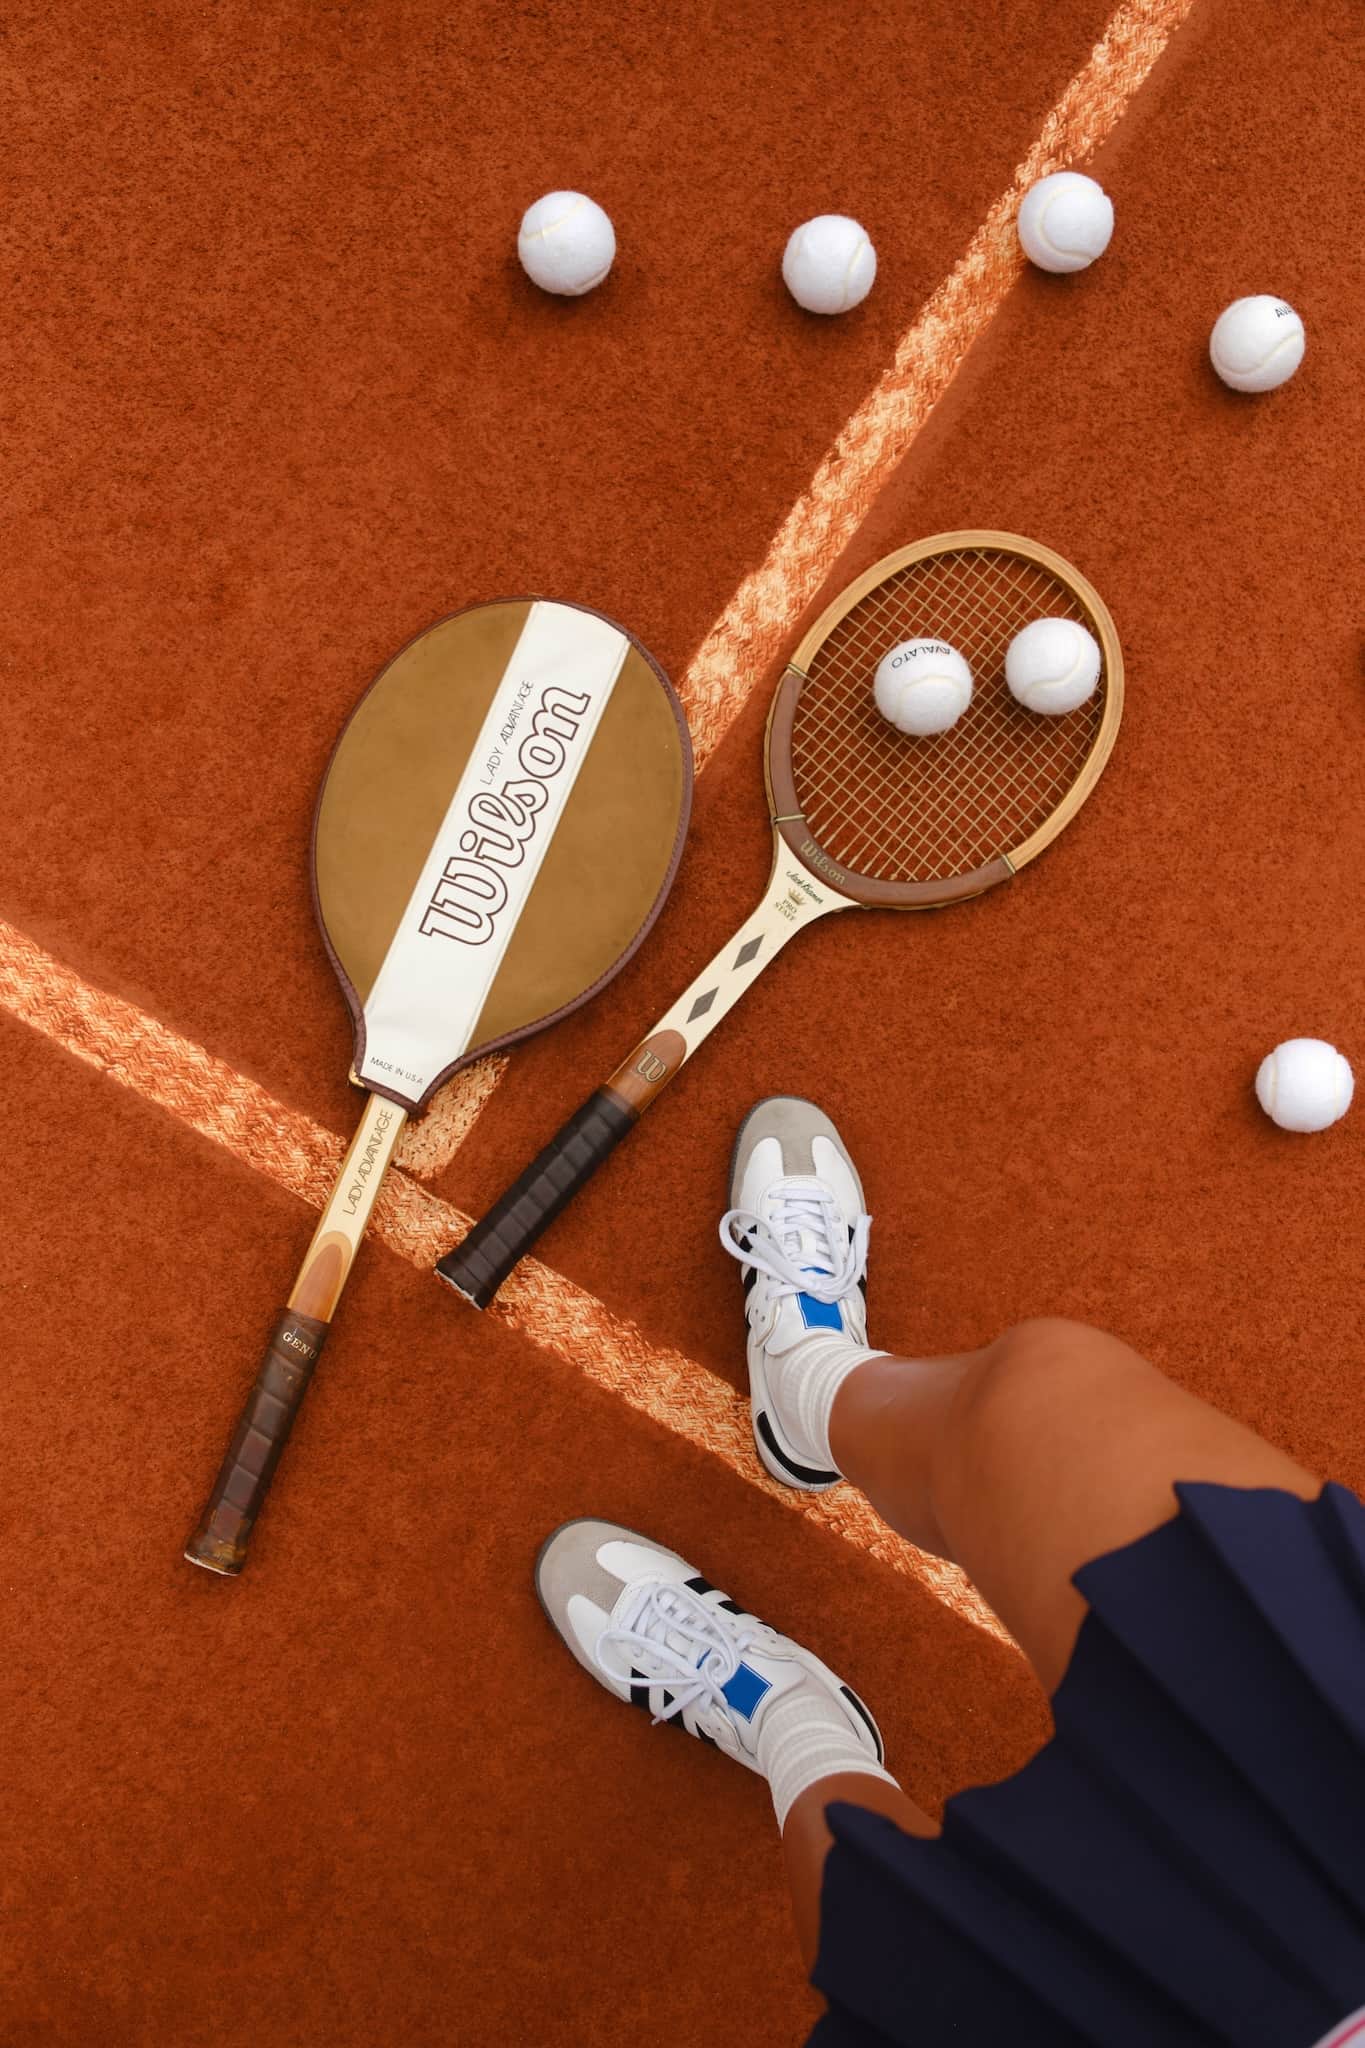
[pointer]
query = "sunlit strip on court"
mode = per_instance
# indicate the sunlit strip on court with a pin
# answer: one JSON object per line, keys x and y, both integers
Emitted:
{"x": 683, "y": 1397}
{"x": 432, "y": 1142}
{"x": 755, "y": 626}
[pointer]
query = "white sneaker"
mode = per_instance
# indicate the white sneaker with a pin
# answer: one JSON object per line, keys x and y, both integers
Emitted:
{"x": 798, "y": 1226}
{"x": 654, "y": 1632}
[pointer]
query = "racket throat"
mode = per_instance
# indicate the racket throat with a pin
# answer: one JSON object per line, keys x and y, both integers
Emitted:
{"x": 795, "y": 898}
{"x": 343, "y": 1222}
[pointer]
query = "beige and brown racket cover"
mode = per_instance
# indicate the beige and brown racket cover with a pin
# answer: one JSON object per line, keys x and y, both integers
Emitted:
{"x": 496, "y": 831}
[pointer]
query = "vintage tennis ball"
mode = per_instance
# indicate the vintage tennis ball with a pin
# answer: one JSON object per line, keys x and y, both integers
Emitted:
{"x": 922, "y": 686}
{"x": 1257, "y": 343}
{"x": 566, "y": 244}
{"x": 1065, "y": 221}
{"x": 1304, "y": 1085}
{"x": 1052, "y": 666}
{"x": 829, "y": 264}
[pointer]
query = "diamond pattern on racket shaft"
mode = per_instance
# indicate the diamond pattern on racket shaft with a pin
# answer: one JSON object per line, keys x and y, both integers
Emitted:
{"x": 902, "y": 809}
{"x": 748, "y": 951}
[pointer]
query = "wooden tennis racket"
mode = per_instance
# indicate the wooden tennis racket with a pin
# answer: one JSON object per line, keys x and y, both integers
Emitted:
{"x": 864, "y": 818}
{"x": 496, "y": 831}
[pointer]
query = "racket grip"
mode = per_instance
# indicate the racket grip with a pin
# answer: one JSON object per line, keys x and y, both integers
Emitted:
{"x": 482, "y": 1261}
{"x": 219, "y": 1543}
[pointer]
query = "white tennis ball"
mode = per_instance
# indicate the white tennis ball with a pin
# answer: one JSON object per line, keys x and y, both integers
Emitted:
{"x": 829, "y": 264}
{"x": 922, "y": 686}
{"x": 1257, "y": 343}
{"x": 1065, "y": 221}
{"x": 1052, "y": 666}
{"x": 1304, "y": 1085}
{"x": 566, "y": 244}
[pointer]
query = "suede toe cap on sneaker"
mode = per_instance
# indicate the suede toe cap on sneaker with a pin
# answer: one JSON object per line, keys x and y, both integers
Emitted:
{"x": 582, "y": 1570}
{"x": 785, "y": 1135}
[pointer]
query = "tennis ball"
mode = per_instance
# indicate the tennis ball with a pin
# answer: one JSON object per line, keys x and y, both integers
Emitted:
{"x": 1304, "y": 1085}
{"x": 1257, "y": 343}
{"x": 566, "y": 244}
{"x": 829, "y": 264}
{"x": 1052, "y": 666}
{"x": 922, "y": 686}
{"x": 1065, "y": 221}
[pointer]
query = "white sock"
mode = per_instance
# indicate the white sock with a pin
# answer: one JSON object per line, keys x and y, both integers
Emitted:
{"x": 804, "y": 1737}
{"x": 802, "y": 1384}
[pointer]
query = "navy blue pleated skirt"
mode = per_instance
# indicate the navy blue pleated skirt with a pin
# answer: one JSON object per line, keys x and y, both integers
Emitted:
{"x": 1184, "y": 1863}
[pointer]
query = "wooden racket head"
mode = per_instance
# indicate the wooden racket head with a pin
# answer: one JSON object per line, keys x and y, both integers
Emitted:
{"x": 496, "y": 831}
{"x": 906, "y": 823}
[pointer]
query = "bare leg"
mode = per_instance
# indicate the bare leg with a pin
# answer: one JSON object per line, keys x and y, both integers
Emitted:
{"x": 1024, "y": 1461}
{"x": 1020, "y": 1462}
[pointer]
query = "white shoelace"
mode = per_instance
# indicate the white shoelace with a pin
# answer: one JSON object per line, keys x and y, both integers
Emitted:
{"x": 697, "y": 1673}
{"x": 800, "y": 1208}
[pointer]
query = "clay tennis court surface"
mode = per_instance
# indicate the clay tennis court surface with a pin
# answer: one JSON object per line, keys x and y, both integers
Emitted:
{"x": 275, "y": 396}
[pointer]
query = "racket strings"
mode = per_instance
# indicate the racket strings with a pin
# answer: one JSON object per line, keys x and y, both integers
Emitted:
{"x": 899, "y": 809}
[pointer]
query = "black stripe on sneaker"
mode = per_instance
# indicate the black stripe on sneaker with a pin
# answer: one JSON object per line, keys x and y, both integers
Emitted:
{"x": 639, "y": 1693}
{"x": 709, "y": 1740}
{"x": 808, "y": 1473}
{"x": 701, "y": 1585}
{"x": 861, "y": 1710}
{"x": 863, "y": 1282}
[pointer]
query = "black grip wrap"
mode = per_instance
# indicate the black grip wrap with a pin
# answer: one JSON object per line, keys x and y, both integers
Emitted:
{"x": 482, "y": 1261}
{"x": 239, "y": 1491}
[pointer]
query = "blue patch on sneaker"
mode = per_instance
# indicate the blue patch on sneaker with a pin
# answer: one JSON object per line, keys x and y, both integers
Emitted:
{"x": 744, "y": 1693}
{"x": 819, "y": 1315}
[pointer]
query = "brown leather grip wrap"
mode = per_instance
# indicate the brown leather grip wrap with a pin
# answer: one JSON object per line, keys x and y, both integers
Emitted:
{"x": 482, "y": 1261}
{"x": 219, "y": 1543}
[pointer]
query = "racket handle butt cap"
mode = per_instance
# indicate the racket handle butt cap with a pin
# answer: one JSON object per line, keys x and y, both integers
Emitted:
{"x": 479, "y": 1264}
